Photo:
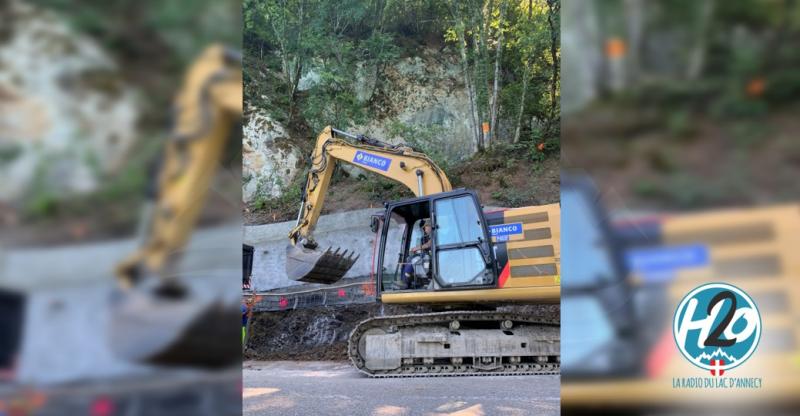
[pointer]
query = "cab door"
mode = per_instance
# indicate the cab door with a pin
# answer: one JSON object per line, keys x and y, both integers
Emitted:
{"x": 462, "y": 252}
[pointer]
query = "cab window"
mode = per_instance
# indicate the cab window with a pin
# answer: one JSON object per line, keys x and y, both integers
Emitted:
{"x": 457, "y": 221}
{"x": 460, "y": 243}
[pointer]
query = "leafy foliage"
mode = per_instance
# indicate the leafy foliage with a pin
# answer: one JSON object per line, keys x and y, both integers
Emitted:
{"x": 306, "y": 60}
{"x": 312, "y": 63}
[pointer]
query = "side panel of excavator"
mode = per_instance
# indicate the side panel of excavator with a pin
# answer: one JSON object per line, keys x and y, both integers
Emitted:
{"x": 527, "y": 250}
{"x": 526, "y": 243}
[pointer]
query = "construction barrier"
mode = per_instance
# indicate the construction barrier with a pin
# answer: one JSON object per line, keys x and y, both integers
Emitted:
{"x": 348, "y": 291}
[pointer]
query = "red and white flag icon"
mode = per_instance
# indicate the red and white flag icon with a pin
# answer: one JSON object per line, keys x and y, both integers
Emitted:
{"x": 716, "y": 365}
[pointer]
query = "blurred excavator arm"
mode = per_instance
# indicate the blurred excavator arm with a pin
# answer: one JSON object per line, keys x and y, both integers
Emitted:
{"x": 157, "y": 317}
{"x": 207, "y": 107}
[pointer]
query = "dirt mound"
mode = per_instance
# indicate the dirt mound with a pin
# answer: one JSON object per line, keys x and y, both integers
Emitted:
{"x": 311, "y": 334}
{"x": 321, "y": 333}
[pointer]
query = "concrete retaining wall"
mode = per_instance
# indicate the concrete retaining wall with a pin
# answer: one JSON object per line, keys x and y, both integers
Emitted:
{"x": 348, "y": 230}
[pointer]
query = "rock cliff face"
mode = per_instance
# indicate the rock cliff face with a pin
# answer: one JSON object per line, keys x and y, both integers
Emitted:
{"x": 425, "y": 93}
{"x": 66, "y": 117}
{"x": 269, "y": 161}
{"x": 422, "y": 93}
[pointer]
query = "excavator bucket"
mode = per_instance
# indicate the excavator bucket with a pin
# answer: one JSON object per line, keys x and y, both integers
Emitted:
{"x": 188, "y": 330}
{"x": 315, "y": 266}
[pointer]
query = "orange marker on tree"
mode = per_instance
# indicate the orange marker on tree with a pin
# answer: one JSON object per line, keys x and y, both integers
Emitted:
{"x": 616, "y": 48}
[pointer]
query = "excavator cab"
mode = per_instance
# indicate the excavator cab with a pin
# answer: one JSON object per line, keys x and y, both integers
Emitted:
{"x": 459, "y": 256}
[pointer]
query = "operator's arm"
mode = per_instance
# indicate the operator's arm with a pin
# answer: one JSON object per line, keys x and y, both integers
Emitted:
{"x": 424, "y": 246}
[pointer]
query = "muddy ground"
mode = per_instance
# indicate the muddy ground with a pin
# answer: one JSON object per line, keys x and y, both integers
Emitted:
{"x": 321, "y": 333}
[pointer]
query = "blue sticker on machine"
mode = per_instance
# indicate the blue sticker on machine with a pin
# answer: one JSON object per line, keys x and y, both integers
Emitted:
{"x": 501, "y": 232}
{"x": 373, "y": 161}
{"x": 665, "y": 259}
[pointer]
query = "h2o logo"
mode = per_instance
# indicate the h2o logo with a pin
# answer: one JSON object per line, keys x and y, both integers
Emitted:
{"x": 717, "y": 327}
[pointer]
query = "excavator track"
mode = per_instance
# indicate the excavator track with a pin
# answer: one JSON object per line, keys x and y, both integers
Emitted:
{"x": 451, "y": 344}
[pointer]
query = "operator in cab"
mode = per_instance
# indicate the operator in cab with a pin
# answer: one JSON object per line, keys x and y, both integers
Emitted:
{"x": 417, "y": 252}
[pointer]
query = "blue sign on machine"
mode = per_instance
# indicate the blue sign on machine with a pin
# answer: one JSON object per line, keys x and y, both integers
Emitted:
{"x": 501, "y": 232}
{"x": 661, "y": 263}
{"x": 373, "y": 161}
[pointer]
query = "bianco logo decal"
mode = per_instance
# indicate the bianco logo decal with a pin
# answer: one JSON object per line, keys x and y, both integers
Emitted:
{"x": 501, "y": 232}
{"x": 505, "y": 229}
{"x": 373, "y": 161}
{"x": 717, "y": 327}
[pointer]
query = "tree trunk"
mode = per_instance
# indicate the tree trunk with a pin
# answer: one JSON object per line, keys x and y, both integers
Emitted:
{"x": 521, "y": 106}
{"x": 554, "y": 35}
{"x": 484, "y": 62}
{"x": 297, "y": 75}
{"x": 496, "y": 87}
{"x": 634, "y": 21}
{"x": 470, "y": 89}
{"x": 478, "y": 78}
{"x": 697, "y": 56}
{"x": 525, "y": 76}
{"x": 469, "y": 82}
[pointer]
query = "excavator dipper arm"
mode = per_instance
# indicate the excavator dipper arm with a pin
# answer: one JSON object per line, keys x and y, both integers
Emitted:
{"x": 305, "y": 262}
{"x": 207, "y": 107}
{"x": 157, "y": 317}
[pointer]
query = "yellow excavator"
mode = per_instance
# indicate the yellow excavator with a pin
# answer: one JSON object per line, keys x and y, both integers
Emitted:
{"x": 441, "y": 250}
{"x": 157, "y": 317}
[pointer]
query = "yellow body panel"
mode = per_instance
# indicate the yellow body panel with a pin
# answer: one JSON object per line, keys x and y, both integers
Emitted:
{"x": 542, "y": 229}
{"x": 756, "y": 250}
{"x": 549, "y": 294}
{"x": 522, "y": 288}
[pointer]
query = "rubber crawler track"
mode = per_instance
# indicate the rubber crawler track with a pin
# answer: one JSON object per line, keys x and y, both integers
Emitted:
{"x": 446, "y": 370}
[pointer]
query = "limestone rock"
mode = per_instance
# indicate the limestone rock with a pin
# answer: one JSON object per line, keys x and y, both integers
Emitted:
{"x": 66, "y": 116}
{"x": 269, "y": 161}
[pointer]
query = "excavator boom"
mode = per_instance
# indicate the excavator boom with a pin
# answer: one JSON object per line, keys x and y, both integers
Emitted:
{"x": 157, "y": 318}
{"x": 305, "y": 261}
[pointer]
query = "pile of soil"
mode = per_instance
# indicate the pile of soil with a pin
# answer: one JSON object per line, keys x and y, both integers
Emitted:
{"x": 321, "y": 333}
{"x": 310, "y": 334}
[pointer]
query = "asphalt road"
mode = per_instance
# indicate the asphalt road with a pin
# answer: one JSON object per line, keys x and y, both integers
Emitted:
{"x": 335, "y": 388}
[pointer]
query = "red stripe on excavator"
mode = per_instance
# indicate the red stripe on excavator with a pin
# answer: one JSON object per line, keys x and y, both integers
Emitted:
{"x": 504, "y": 275}
{"x": 660, "y": 354}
